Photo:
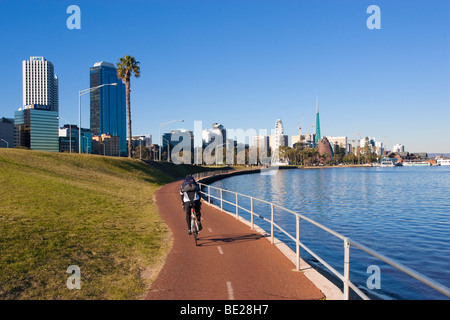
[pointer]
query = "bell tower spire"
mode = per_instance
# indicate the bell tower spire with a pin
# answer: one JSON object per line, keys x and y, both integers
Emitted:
{"x": 318, "y": 135}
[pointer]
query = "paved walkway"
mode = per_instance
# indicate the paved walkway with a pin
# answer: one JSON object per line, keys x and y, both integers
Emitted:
{"x": 231, "y": 262}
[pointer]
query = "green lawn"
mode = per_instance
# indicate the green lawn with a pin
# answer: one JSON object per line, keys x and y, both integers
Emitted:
{"x": 91, "y": 211}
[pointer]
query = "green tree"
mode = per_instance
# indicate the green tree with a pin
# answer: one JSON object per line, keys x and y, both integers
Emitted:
{"x": 126, "y": 67}
{"x": 285, "y": 153}
{"x": 141, "y": 152}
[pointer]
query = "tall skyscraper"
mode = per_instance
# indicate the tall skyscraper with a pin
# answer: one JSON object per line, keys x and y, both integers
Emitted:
{"x": 36, "y": 123}
{"x": 108, "y": 104}
{"x": 318, "y": 135}
{"x": 40, "y": 84}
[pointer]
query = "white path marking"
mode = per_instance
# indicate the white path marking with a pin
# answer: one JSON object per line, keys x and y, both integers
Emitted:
{"x": 220, "y": 249}
{"x": 230, "y": 291}
{"x": 209, "y": 229}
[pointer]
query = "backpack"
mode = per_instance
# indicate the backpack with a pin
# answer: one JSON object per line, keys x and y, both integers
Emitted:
{"x": 189, "y": 189}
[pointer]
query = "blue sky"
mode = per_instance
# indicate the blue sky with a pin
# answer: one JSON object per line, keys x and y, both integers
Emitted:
{"x": 247, "y": 63}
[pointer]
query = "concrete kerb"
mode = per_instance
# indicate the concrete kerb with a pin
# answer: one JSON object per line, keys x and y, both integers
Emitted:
{"x": 330, "y": 290}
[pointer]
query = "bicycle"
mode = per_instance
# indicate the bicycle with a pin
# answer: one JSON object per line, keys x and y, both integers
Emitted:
{"x": 194, "y": 224}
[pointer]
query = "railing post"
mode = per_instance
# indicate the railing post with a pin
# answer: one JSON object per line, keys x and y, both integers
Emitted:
{"x": 237, "y": 207}
{"x": 298, "y": 242}
{"x": 346, "y": 268}
{"x": 271, "y": 223}
{"x": 209, "y": 194}
{"x": 251, "y": 214}
{"x": 221, "y": 198}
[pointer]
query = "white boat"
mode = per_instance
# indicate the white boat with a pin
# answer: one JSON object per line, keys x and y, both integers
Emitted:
{"x": 389, "y": 162}
{"x": 416, "y": 163}
{"x": 443, "y": 162}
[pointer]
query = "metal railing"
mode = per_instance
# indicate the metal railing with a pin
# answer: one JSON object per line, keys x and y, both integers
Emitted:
{"x": 201, "y": 175}
{"x": 345, "y": 277}
{"x": 217, "y": 172}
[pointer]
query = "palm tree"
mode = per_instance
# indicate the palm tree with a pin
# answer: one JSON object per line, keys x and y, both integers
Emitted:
{"x": 126, "y": 67}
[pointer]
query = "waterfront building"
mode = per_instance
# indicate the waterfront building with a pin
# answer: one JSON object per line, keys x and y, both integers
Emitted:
{"x": 342, "y": 142}
{"x": 406, "y": 156}
{"x": 108, "y": 104}
{"x": 36, "y": 129}
{"x": 6, "y": 133}
{"x": 308, "y": 140}
{"x": 40, "y": 84}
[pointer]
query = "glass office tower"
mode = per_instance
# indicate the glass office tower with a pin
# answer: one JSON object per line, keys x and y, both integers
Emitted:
{"x": 108, "y": 104}
{"x": 37, "y": 129}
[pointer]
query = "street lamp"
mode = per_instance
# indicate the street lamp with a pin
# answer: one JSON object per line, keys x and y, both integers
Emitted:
{"x": 160, "y": 134}
{"x": 82, "y": 93}
{"x": 168, "y": 150}
{"x": 7, "y": 143}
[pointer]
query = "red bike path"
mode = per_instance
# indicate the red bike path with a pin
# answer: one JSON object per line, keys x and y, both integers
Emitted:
{"x": 232, "y": 261}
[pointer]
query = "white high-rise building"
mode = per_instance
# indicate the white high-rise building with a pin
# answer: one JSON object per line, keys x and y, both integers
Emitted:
{"x": 40, "y": 84}
{"x": 398, "y": 148}
{"x": 379, "y": 148}
{"x": 340, "y": 141}
{"x": 217, "y": 134}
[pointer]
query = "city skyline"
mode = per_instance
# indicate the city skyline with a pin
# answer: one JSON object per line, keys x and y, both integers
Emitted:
{"x": 246, "y": 64}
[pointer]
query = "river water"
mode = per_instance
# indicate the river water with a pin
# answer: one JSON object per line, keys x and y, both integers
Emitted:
{"x": 402, "y": 213}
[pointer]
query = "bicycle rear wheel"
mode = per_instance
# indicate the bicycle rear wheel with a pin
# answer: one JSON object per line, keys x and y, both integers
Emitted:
{"x": 195, "y": 237}
{"x": 194, "y": 228}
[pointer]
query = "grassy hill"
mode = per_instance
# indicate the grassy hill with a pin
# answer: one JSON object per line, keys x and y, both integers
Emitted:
{"x": 91, "y": 211}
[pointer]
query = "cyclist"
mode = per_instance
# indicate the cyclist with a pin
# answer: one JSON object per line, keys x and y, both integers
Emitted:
{"x": 189, "y": 192}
